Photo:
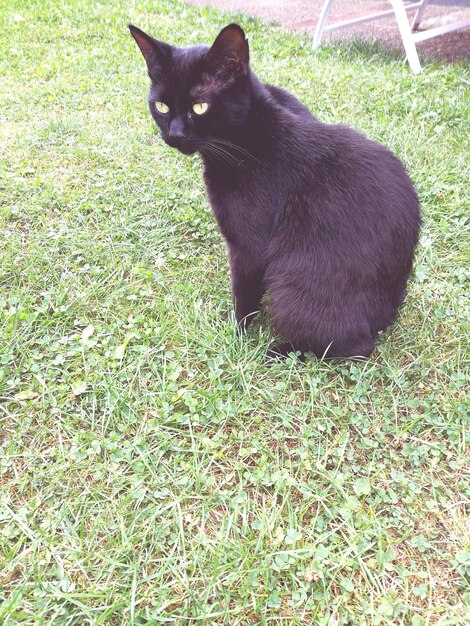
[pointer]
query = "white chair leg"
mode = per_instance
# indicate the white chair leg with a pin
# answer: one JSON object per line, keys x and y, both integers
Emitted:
{"x": 321, "y": 23}
{"x": 406, "y": 35}
{"x": 419, "y": 15}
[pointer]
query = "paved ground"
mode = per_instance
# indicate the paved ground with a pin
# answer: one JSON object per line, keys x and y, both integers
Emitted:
{"x": 303, "y": 15}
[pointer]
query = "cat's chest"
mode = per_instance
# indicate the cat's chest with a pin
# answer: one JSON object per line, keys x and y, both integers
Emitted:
{"x": 243, "y": 208}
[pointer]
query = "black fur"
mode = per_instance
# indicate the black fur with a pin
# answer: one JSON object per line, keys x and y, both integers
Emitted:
{"x": 319, "y": 217}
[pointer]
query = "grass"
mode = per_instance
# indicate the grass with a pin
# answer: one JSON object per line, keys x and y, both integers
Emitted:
{"x": 154, "y": 468}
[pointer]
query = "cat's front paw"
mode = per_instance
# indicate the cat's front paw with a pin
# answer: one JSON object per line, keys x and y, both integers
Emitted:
{"x": 244, "y": 322}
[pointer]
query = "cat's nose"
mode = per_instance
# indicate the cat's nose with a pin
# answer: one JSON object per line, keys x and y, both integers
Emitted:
{"x": 176, "y": 131}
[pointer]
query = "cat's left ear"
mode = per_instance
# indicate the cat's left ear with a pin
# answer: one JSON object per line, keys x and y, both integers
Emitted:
{"x": 230, "y": 53}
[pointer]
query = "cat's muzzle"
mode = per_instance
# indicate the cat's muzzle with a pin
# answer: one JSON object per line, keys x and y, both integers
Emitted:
{"x": 184, "y": 146}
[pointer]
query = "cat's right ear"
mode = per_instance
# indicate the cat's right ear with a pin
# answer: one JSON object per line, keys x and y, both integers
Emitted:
{"x": 229, "y": 54}
{"x": 156, "y": 53}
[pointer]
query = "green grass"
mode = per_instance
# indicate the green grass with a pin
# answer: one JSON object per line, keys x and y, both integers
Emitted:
{"x": 154, "y": 468}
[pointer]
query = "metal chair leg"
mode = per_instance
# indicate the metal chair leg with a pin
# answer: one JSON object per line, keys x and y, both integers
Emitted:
{"x": 321, "y": 23}
{"x": 419, "y": 15}
{"x": 406, "y": 35}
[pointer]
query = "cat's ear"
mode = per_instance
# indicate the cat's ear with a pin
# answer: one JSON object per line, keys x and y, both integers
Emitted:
{"x": 156, "y": 53}
{"x": 229, "y": 54}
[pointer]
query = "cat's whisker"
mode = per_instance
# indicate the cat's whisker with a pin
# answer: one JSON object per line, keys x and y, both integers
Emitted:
{"x": 217, "y": 153}
{"x": 221, "y": 156}
{"x": 230, "y": 144}
{"x": 207, "y": 152}
{"x": 239, "y": 149}
{"x": 220, "y": 145}
{"x": 223, "y": 153}
{"x": 236, "y": 159}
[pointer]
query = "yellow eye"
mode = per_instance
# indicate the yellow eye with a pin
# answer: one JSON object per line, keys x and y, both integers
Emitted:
{"x": 200, "y": 108}
{"x": 162, "y": 107}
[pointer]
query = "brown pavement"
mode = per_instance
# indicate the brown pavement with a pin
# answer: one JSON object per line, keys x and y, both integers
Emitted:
{"x": 303, "y": 15}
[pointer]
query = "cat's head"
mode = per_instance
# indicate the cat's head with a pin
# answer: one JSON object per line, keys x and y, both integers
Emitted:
{"x": 197, "y": 93}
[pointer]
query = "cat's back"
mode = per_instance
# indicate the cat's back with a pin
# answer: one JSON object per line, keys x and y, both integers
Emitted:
{"x": 343, "y": 170}
{"x": 286, "y": 101}
{"x": 344, "y": 192}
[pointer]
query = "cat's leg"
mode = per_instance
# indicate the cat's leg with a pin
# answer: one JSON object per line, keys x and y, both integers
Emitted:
{"x": 307, "y": 314}
{"x": 247, "y": 292}
{"x": 247, "y": 288}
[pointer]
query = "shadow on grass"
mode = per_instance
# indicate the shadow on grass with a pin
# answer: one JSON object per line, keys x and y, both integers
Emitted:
{"x": 374, "y": 51}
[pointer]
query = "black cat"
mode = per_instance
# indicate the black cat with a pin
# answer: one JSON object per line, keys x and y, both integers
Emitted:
{"x": 317, "y": 216}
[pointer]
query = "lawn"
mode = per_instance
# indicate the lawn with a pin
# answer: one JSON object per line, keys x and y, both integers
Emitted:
{"x": 154, "y": 466}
